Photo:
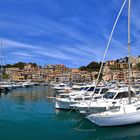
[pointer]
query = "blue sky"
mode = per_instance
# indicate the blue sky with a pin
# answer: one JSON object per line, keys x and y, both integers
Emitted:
{"x": 72, "y": 32}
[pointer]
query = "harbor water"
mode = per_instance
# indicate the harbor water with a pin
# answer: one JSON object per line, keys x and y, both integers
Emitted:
{"x": 26, "y": 113}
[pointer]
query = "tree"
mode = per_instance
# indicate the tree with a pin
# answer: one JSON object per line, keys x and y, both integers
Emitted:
{"x": 93, "y": 66}
{"x": 118, "y": 60}
{"x": 19, "y": 65}
{"x": 82, "y": 68}
{"x": 8, "y": 66}
{"x": 34, "y": 64}
{"x": 5, "y": 76}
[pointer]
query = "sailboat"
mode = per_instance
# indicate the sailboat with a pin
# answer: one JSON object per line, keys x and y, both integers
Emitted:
{"x": 4, "y": 86}
{"x": 128, "y": 113}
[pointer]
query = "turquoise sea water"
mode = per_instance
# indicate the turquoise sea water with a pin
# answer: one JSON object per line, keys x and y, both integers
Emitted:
{"x": 26, "y": 114}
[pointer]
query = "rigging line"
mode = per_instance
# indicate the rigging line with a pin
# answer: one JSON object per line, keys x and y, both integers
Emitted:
{"x": 114, "y": 26}
{"x": 70, "y": 111}
{"x": 129, "y": 50}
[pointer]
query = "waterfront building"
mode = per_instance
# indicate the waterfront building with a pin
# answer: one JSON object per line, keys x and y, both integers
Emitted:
{"x": 31, "y": 67}
{"x": 113, "y": 70}
{"x": 75, "y": 70}
{"x": 122, "y": 65}
{"x": 60, "y": 68}
{"x": 111, "y": 63}
{"x": 11, "y": 70}
{"x": 17, "y": 76}
{"x": 49, "y": 68}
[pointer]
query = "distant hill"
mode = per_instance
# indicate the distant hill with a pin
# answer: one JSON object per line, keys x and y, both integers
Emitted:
{"x": 19, "y": 65}
{"x": 93, "y": 66}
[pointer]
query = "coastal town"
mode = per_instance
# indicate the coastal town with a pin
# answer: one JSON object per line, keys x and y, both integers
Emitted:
{"x": 113, "y": 70}
{"x": 69, "y": 70}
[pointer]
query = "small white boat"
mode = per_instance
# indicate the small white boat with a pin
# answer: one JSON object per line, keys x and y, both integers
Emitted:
{"x": 124, "y": 115}
{"x": 62, "y": 88}
{"x": 27, "y": 84}
{"x": 6, "y": 85}
{"x": 101, "y": 102}
{"x": 67, "y": 101}
{"x": 63, "y": 102}
{"x": 78, "y": 87}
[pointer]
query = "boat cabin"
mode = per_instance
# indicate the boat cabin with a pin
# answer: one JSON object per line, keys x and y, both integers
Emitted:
{"x": 118, "y": 94}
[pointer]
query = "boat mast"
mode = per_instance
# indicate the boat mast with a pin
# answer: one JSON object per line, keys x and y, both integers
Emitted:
{"x": 129, "y": 51}
{"x": 1, "y": 68}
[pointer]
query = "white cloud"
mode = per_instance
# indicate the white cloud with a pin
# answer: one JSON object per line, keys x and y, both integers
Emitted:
{"x": 16, "y": 44}
{"x": 22, "y": 54}
{"x": 55, "y": 54}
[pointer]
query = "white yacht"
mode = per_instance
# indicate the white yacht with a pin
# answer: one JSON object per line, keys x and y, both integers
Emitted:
{"x": 67, "y": 101}
{"x": 27, "y": 84}
{"x": 78, "y": 87}
{"x": 110, "y": 100}
{"x": 6, "y": 85}
{"x": 123, "y": 115}
{"x": 64, "y": 101}
{"x": 62, "y": 88}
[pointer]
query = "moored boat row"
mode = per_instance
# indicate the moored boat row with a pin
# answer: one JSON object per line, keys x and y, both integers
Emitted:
{"x": 7, "y": 86}
{"x": 93, "y": 102}
{"x": 118, "y": 106}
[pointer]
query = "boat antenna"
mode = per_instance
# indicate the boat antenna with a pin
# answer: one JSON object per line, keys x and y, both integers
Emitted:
{"x": 129, "y": 51}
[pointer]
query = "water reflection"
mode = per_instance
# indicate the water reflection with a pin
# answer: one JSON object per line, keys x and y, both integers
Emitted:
{"x": 63, "y": 115}
{"x": 108, "y": 133}
{"x": 30, "y": 106}
{"x": 26, "y": 103}
{"x": 31, "y": 94}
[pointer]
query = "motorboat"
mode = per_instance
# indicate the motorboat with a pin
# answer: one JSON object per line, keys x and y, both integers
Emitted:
{"x": 67, "y": 101}
{"x": 123, "y": 115}
{"x": 7, "y": 86}
{"x": 62, "y": 88}
{"x": 113, "y": 98}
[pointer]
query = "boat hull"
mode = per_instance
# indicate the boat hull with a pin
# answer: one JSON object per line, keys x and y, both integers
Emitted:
{"x": 85, "y": 110}
{"x": 63, "y": 104}
{"x": 115, "y": 120}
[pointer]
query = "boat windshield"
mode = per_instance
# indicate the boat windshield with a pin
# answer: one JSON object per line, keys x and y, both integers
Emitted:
{"x": 97, "y": 90}
{"x": 88, "y": 89}
{"x": 91, "y": 89}
{"x": 61, "y": 85}
{"x": 78, "y": 99}
{"x": 124, "y": 95}
{"x": 85, "y": 88}
{"x": 87, "y": 98}
{"x": 64, "y": 96}
{"x": 104, "y": 90}
{"x": 109, "y": 95}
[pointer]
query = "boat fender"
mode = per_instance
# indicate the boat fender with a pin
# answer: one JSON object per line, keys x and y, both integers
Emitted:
{"x": 107, "y": 107}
